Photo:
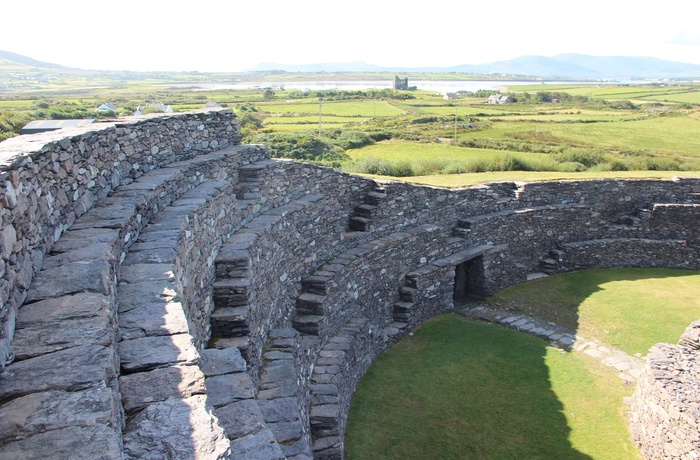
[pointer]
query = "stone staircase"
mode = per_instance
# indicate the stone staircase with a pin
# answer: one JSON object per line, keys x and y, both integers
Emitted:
{"x": 145, "y": 358}
{"x": 361, "y": 219}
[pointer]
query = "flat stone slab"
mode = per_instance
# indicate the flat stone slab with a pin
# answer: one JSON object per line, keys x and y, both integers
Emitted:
{"x": 86, "y": 252}
{"x": 53, "y": 410}
{"x": 78, "y": 239}
{"x": 178, "y": 429}
{"x": 143, "y": 388}
{"x": 240, "y": 418}
{"x": 144, "y": 354}
{"x": 132, "y": 295}
{"x": 79, "y": 276}
{"x": 150, "y": 255}
{"x": 42, "y": 338}
{"x": 151, "y": 318}
{"x": 228, "y": 388}
{"x": 140, "y": 272}
{"x": 258, "y": 446}
{"x": 96, "y": 442}
{"x": 81, "y": 305}
{"x": 279, "y": 410}
{"x": 218, "y": 362}
{"x": 90, "y": 365}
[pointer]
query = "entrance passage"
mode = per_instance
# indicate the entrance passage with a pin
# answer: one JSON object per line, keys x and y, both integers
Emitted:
{"x": 469, "y": 279}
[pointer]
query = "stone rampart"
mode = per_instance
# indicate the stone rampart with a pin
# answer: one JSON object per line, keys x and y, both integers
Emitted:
{"x": 665, "y": 410}
{"x": 311, "y": 273}
{"x": 51, "y": 179}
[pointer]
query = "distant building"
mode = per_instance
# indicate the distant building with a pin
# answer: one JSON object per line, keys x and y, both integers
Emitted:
{"x": 450, "y": 96}
{"x": 41, "y": 126}
{"x": 400, "y": 83}
{"x": 499, "y": 99}
{"x": 107, "y": 107}
{"x": 212, "y": 104}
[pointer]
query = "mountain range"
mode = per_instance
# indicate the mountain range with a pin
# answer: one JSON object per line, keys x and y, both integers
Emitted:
{"x": 568, "y": 65}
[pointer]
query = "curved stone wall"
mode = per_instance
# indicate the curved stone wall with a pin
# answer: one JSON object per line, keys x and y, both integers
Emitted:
{"x": 310, "y": 273}
{"x": 665, "y": 410}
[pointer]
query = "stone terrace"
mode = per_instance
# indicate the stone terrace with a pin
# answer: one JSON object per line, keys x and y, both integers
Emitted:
{"x": 165, "y": 292}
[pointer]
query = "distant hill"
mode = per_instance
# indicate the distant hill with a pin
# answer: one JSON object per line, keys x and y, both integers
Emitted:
{"x": 356, "y": 66}
{"x": 576, "y": 66}
{"x": 24, "y": 60}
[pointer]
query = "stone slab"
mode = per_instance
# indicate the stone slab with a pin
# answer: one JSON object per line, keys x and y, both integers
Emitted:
{"x": 79, "y": 276}
{"x": 177, "y": 429}
{"x": 53, "y": 410}
{"x": 240, "y": 418}
{"x": 77, "y": 239}
{"x": 152, "y": 318}
{"x": 96, "y": 442}
{"x": 132, "y": 295}
{"x": 80, "y": 305}
{"x": 258, "y": 446}
{"x": 218, "y": 362}
{"x": 90, "y": 365}
{"x": 143, "y": 388}
{"x": 144, "y": 354}
{"x": 140, "y": 272}
{"x": 228, "y": 388}
{"x": 41, "y": 338}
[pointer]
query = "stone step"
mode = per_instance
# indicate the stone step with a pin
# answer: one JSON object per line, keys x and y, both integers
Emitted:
{"x": 374, "y": 198}
{"x": 465, "y": 223}
{"x": 147, "y": 353}
{"x": 232, "y": 262}
{"x": 310, "y": 304}
{"x": 402, "y": 311}
{"x": 365, "y": 210}
{"x": 407, "y": 294}
{"x": 222, "y": 343}
{"x": 225, "y": 389}
{"x": 230, "y": 321}
{"x": 461, "y": 232}
{"x": 231, "y": 292}
{"x": 360, "y": 224}
{"x": 308, "y": 324}
{"x": 315, "y": 284}
{"x": 214, "y": 361}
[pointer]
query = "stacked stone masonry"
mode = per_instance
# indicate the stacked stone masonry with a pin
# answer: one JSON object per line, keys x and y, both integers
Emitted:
{"x": 166, "y": 292}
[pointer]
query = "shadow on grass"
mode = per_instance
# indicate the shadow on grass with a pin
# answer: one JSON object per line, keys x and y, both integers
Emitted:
{"x": 459, "y": 389}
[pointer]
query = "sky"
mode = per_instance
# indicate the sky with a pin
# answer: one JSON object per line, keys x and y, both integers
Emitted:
{"x": 229, "y": 36}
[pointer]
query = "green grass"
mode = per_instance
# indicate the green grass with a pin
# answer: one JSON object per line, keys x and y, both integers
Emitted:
{"x": 471, "y": 179}
{"x": 460, "y": 389}
{"x": 630, "y": 309}
{"x": 340, "y": 108}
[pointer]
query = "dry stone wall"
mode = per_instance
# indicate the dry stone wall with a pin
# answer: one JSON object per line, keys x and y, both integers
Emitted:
{"x": 51, "y": 179}
{"x": 270, "y": 255}
{"x": 665, "y": 409}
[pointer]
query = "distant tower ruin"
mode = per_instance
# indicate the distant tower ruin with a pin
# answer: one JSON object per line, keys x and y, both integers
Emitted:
{"x": 400, "y": 83}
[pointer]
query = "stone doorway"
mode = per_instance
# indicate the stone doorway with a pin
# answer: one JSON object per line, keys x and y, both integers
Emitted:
{"x": 470, "y": 280}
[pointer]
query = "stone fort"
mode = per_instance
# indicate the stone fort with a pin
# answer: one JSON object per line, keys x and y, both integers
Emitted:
{"x": 166, "y": 292}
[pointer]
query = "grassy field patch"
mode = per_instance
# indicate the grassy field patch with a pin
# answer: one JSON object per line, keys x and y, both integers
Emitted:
{"x": 460, "y": 389}
{"x": 630, "y": 309}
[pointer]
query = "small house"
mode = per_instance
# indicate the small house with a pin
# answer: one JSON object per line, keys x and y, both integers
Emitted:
{"x": 450, "y": 96}
{"x": 499, "y": 99}
{"x": 106, "y": 107}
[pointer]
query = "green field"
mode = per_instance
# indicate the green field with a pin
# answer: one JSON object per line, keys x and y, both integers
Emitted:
{"x": 464, "y": 389}
{"x": 460, "y": 389}
{"x": 592, "y": 129}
